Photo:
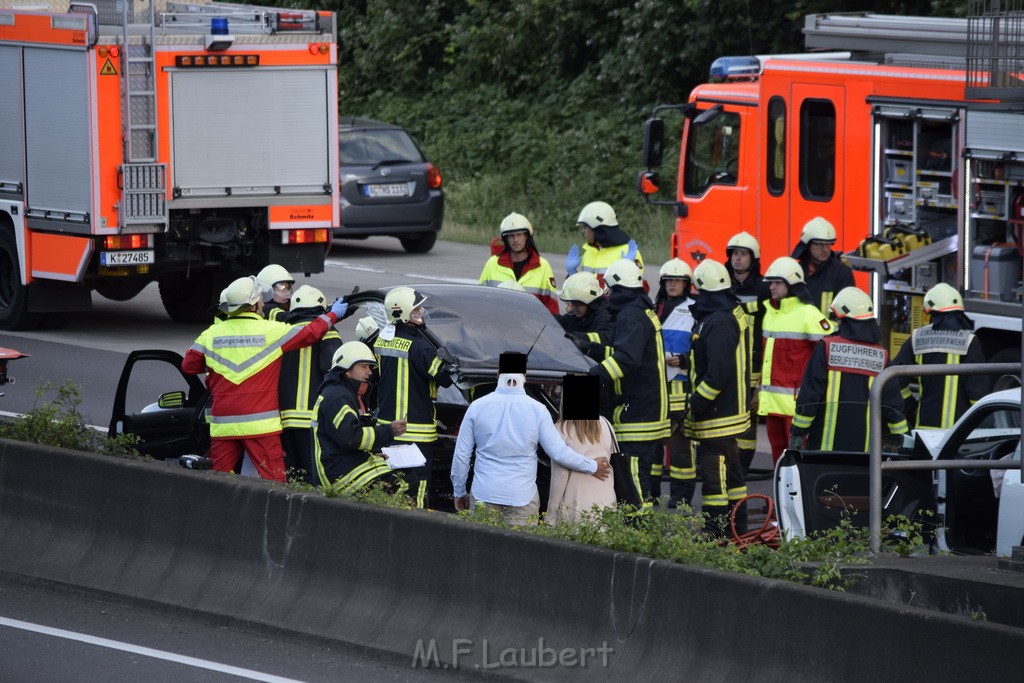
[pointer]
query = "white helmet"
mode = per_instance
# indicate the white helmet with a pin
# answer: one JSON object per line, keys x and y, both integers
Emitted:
{"x": 366, "y": 327}
{"x": 597, "y": 213}
{"x": 273, "y": 274}
{"x": 676, "y": 268}
{"x": 583, "y": 287}
{"x": 852, "y": 302}
{"x": 942, "y": 298}
{"x": 818, "y": 230}
{"x": 711, "y": 276}
{"x": 400, "y": 302}
{"x": 786, "y": 269}
{"x": 244, "y": 290}
{"x": 308, "y": 297}
{"x": 511, "y": 284}
{"x": 744, "y": 240}
{"x": 624, "y": 273}
{"x": 350, "y": 353}
{"x": 515, "y": 222}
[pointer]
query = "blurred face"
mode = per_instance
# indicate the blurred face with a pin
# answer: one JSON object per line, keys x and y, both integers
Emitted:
{"x": 579, "y": 308}
{"x": 517, "y": 242}
{"x": 819, "y": 251}
{"x": 741, "y": 260}
{"x": 360, "y": 372}
{"x": 416, "y": 317}
{"x": 779, "y": 289}
{"x": 674, "y": 286}
{"x": 282, "y": 292}
{"x": 588, "y": 233}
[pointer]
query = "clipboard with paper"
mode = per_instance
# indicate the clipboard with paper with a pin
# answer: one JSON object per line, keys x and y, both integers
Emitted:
{"x": 404, "y": 456}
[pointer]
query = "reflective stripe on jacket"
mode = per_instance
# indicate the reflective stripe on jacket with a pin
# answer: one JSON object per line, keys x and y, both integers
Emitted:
{"x": 537, "y": 278}
{"x": 409, "y": 374}
{"x": 790, "y": 332}
{"x": 720, "y": 376}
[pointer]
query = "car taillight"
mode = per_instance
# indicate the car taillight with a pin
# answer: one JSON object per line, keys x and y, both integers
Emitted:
{"x": 433, "y": 177}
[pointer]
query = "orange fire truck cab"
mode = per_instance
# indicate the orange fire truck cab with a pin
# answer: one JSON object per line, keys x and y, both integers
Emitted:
{"x": 922, "y": 184}
{"x": 182, "y": 143}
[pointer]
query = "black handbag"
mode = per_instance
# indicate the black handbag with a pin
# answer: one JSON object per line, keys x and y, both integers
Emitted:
{"x": 626, "y": 472}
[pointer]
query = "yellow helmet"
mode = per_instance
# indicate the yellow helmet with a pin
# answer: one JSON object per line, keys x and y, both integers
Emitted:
{"x": 272, "y": 274}
{"x": 676, "y": 268}
{"x": 597, "y": 213}
{"x": 350, "y": 353}
{"x": 786, "y": 269}
{"x": 308, "y": 297}
{"x": 624, "y": 273}
{"x": 515, "y": 222}
{"x": 711, "y": 276}
{"x": 400, "y": 302}
{"x": 583, "y": 287}
{"x": 854, "y": 303}
{"x": 366, "y": 327}
{"x": 942, "y": 298}
{"x": 818, "y": 230}
{"x": 244, "y": 290}
{"x": 744, "y": 240}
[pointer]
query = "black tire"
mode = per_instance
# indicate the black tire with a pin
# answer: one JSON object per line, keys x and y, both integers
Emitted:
{"x": 188, "y": 300}
{"x": 420, "y": 244}
{"x": 14, "y": 313}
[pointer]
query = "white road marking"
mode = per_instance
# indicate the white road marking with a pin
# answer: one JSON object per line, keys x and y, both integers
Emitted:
{"x": 145, "y": 651}
{"x": 351, "y": 266}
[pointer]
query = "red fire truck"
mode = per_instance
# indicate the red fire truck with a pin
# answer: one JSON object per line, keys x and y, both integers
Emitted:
{"x": 182, "y": 143}
{"x": 896, "y": 133}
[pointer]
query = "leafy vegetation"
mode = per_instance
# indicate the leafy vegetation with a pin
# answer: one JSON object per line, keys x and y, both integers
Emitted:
{"x": 536, "y": 106}
{"x": 58, "y": 422}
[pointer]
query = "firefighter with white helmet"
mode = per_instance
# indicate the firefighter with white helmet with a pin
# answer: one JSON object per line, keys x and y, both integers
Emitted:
{"x": 604, "y": 242}
{"x": 345, "y": 435}
{"x": 277, "y": 290}
{"x": 366, "y": 328}
{"x": 634, "y": 363}
{"x": 824, "y": 270}
{"x": 302, "y": 371}
{"x": 672, "y": 305}
{"x": 519, "y": 261}
{"x": 948, "y": 340}
{"x": 744, "y": 266}
{"x": 791, "y": 328}
{"x": 410, "y": 373}
{"x": 832, "y": 405}
{"x": 718, "y": 406}
{"x": 587, "y": 318}
{"x": 241, "y": 356}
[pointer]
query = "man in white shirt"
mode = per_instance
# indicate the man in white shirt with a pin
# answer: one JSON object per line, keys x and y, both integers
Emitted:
{"x": 505, "y": 428}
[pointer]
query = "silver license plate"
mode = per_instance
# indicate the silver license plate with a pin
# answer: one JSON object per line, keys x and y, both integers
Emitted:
{"x": 126, "y": 258}
{"x": 386, "y": 190}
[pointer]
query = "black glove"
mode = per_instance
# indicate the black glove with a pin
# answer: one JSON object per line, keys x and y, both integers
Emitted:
{"x": 580, "y": 340}
{"x": 796, "y": 441}
{"x": 446, "y": 356}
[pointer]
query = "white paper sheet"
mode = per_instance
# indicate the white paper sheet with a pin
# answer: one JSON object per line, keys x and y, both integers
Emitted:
{"x": 404, "y": 456}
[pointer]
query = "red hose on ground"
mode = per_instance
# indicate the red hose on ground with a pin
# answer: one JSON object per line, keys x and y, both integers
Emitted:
{"x": 767, "y": 532}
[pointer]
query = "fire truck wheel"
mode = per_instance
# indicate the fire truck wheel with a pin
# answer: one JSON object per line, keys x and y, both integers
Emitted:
{"x": 14, "y": 313}
{"x": 188, "y": 299}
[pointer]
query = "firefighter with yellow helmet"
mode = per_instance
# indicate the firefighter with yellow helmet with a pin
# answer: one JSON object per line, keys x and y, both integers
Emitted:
{"x": 948, "y": 340}
{"x": 277, "y": 290}
{"x": 410, "y": 373}
{"x": 587, "y": 319}
{"x": 241, "y": 356}
{"x": 604, "y": 243}
{"x": 824, "y": 270}
{"x": 832, "y": 405}
{"x": 345, "y": 435}
{"x": 792, "y": 326}
{"x": 302, "y": 371}
{"x": 719, "y": 377}
{"x": 520, "y": 261}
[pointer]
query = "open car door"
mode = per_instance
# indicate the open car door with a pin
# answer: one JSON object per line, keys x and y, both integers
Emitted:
{"x": 168, "y": 420}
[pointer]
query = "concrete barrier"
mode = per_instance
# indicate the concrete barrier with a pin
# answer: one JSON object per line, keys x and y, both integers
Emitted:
{"x": 442, "y": 591}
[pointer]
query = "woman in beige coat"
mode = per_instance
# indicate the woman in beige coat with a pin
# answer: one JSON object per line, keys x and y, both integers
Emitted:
{"x": 589, "y": 434}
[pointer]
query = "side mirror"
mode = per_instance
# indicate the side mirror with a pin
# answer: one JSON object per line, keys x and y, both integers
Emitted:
{"x": 654, "y": 142}
{"x": 648, "y": 182}
{"x": 172, "y": 399}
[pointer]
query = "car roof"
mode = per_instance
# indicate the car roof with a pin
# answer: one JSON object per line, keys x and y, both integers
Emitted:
{"x": 1006, "y": 395}
{"x": 477, "y": 324}
{"x": 352, "y": 123}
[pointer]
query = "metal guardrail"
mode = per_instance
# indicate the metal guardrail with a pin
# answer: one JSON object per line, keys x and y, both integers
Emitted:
{"x": 875, "y": 438}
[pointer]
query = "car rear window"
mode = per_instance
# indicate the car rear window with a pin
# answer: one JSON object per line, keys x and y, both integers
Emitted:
{"x": 371, "y": 147}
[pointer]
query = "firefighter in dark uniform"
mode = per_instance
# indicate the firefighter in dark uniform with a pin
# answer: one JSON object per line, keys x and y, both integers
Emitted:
{"x": 837, "y": 382}
{"x": 635, "y": 364}
{"x": 410, "y": 372}
{"x": 744, "y": 266}
{"x": 277, "y": 290}
{"x": 344, "y": 435}
{"x": 589, "y": 318}
{"x": 824, "y": 271}
{"x": 302, "y": 371}
{"x": 949, "y": 340}
{"x": 720, "y": 377}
